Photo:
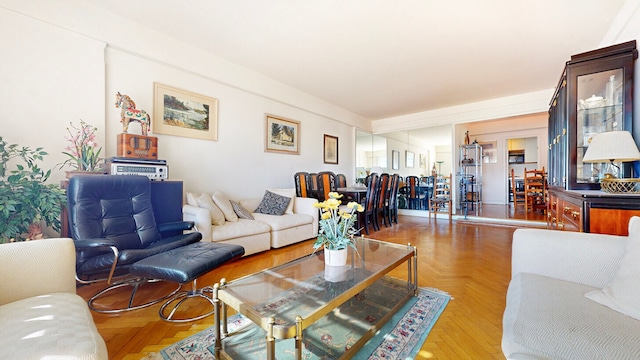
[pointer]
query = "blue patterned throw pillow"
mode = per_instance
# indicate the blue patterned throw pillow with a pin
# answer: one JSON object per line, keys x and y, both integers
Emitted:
{"x": 273, "y": 204}
{"x": 240, "y": 211}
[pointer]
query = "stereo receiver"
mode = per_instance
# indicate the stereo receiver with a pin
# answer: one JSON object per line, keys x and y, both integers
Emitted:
{"x": 152, "y": 171}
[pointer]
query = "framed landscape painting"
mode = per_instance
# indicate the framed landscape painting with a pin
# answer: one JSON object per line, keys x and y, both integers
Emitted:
{"x": 282, "y": 135}
{"x": 183, "y": 113}
{"x": 330, "y": 149}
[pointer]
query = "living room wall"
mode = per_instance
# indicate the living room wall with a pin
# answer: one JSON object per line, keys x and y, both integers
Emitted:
{"x": 68, "y": 60}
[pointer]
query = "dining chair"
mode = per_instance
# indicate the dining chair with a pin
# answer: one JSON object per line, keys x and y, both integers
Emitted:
{"x": 392, "y": 204}
{"x": 302, "y": 181}
{"x": 367, "y": 216}
{"x": 535, "y": 189}
{"x": 326, "y": 184}
{"x": 517, "y": 191}
{"x": 341, "y": 180}
{"x": 382, "y": 198}
{"x": 314, "y": 185}
{"x": 442, "y": 197}
{"x": 415, "y": 196}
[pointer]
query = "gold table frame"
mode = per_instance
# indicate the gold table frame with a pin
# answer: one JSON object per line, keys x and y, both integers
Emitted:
{"x": 369, "y": 262}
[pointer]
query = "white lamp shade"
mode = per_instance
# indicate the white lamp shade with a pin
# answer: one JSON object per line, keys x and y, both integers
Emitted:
{"x": 616, "y": 146}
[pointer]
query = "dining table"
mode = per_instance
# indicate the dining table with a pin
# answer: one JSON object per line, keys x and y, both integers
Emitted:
{"x": 353, "y": 193}
{"x": 357, "y": 194}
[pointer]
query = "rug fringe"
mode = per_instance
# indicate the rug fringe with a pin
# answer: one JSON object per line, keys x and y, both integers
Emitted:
{"x": 437, "y": 291}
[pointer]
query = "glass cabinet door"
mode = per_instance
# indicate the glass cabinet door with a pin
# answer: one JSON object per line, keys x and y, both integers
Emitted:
{"x": 599, "y": 109}
{"x": 599, "y": 91}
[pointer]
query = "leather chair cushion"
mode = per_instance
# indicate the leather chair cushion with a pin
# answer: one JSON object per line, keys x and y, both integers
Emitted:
{"x": 185, "y": 264}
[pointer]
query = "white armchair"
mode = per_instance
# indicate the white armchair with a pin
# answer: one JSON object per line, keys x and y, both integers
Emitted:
{"x": 41, "y": 315}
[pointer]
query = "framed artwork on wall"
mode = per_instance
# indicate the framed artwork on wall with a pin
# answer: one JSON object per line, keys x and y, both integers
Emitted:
{"x": 330, "y": 149}
{"x": 182, "y": 113}
{"x": 282, "y": 135}
{"x": 395, "y": 160}
{"x": 409, "y": 158}
{"x": 489, "y": 151}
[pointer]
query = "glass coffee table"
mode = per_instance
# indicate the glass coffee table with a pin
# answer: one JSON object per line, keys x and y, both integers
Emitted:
{"x": 313, "y": 304}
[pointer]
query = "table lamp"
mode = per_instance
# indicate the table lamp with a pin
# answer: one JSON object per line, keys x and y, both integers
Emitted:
{"x": 614, "y": 146}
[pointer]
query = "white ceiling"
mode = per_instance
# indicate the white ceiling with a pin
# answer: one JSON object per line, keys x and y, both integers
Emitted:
{"x": 380, "y": 58}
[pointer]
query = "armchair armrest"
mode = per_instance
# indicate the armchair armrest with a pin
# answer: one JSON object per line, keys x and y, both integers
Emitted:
{"x": 585, "y": 258}
{"x": 305, "y": 206}
{"x": 200, "y": 217}
{"x": 38, "y": 267}
{"x": 176, "y": 226}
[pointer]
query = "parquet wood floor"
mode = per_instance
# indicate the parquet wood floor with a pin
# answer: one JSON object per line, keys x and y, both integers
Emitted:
{"x": 469, "y": 261}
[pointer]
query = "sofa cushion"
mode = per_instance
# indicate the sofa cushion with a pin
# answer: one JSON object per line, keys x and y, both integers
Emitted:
{"x": 52, "y": 326}
{"x": 273, "y": 204}
{"x": 284, "y": 222}
{"x": 290, "y": 193}
{"x": 205, "y": 201}
{"x": 192, "y": 198}
{"x": 551, "y": 319}
{"x": 225, "y": 205}
{"x": 240, "y": 211}
{"x": 622, "y": 293}
{"x": 236, "y": 229}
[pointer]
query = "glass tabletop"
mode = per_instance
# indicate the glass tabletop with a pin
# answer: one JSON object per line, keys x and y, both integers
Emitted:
{"x": 308, "y": 289}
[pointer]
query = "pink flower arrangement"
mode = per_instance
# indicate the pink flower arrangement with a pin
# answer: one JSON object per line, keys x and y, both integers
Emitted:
{"x": 83, "y": 151}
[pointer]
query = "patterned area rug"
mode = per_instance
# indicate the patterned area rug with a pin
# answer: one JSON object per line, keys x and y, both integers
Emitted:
{"x": 400, "y": 338}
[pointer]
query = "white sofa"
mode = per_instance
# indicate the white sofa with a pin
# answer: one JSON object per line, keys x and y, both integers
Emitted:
{"x": 551, "y": 312}
{"x": 299, "y": 223}
{"x": 41, "y": 315}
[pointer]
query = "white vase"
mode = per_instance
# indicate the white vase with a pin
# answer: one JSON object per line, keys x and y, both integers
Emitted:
{"x": 335, "y": 273}
{"x": 335, "y": 257}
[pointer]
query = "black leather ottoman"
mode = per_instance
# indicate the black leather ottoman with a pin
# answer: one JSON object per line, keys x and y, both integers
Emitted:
{"x": 186, "y": 264}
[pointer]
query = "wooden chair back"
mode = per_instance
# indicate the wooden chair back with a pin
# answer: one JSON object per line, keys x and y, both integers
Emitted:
{"x": 303, "y": 185}
{"x": 326, "y": 184}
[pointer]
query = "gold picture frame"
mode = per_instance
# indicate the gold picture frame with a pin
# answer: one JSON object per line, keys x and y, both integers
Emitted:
{"x": 183, "y": 113}
{"x": 330, "y": 149}
{"x": 282, "y": 135}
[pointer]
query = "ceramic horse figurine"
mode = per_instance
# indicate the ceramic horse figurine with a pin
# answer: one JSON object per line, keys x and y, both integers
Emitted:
{"x": 130, "y": 113}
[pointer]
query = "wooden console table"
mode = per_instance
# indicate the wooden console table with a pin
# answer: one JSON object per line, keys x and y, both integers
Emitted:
{"x": 592, "y": 211}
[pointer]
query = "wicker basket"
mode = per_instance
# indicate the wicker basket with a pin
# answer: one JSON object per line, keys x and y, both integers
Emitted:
{"x": 620, "y": 186}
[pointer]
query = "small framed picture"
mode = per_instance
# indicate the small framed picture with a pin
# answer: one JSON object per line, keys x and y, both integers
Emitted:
{"x": 282, "y": 135}
{"x": 182, "y": 113}
{"x": 395, "y": 160}
{"x": 409, "y": 158}
{"x": 330, "y": 149}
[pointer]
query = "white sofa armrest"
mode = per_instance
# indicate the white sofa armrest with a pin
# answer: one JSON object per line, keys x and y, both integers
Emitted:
{"x": 201, "y": 217}
{"x": 305, "y": 206}
{"x": 38, "y": 267}
{"x": 589, "y": 259}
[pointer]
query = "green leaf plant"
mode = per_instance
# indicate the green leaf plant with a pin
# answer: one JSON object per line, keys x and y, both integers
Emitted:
{"x": 25, "y": 198}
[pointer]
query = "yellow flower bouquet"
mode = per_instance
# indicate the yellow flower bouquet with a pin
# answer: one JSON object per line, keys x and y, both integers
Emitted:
{"x": 336, "y": 226}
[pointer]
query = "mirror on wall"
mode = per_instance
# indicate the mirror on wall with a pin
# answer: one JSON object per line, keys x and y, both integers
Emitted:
{"x": 411, "y": 152}
{"x": 371, "y": 153}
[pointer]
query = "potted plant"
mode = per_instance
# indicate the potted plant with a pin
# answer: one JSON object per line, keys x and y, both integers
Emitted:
{"x": 336, "y": 229}
{"x": 83, "y": 152}
{"x": 25, "y": 198}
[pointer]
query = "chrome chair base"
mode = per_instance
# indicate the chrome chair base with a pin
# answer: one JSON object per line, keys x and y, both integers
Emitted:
{"x": 183, "y": 296}
{"x": 130, "y": 306}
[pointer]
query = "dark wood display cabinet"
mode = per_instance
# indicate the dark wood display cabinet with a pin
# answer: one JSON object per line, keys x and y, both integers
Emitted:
{"x": 591, "y": 211}
{"x": 594, "y": 95}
